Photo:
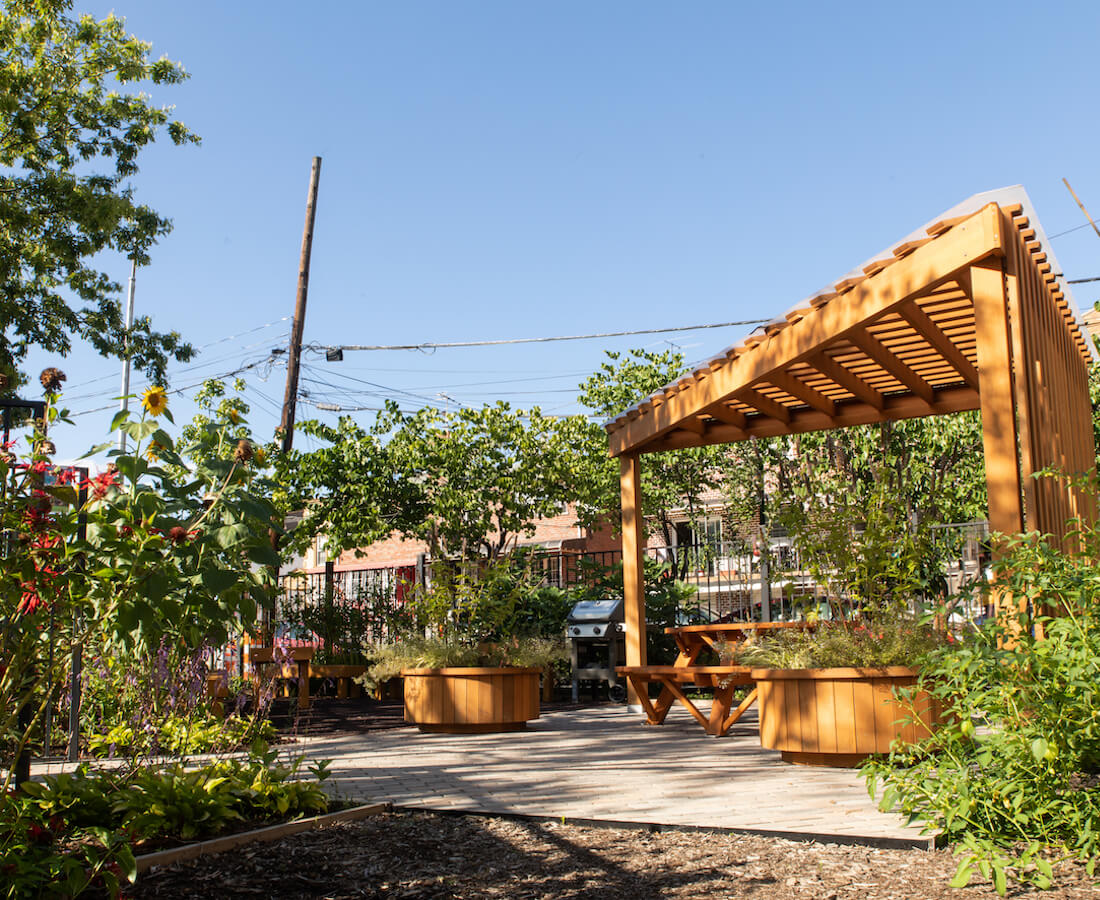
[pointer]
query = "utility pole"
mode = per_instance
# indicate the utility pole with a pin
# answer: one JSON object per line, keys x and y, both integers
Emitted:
{"x": 1082, "y": 205}
{"x": 125, "y": 403}
{"x": 291, "y": 395}
{"x": 286, "y": 424}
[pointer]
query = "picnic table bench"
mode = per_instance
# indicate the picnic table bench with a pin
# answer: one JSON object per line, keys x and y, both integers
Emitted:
{"x": 723, "y": 679}
{"x": 692, "y": 641}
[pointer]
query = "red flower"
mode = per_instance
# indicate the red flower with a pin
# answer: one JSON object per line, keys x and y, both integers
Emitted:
{"x": 30, "y": 601}
{"x": 103, "y": 482}
{"x": 177, "y": 534}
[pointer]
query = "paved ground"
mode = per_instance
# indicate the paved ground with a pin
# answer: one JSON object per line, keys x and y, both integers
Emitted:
{"x": 604, "y": 764}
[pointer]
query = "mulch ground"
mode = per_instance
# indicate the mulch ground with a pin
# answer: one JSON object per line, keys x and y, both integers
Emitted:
{"x": 419, "y": 856}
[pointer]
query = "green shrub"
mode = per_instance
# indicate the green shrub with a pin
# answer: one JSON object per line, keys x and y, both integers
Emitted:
{"x": 892, "y": 640}
{"x": 1011, "y": 778}
{"x": 182, "y": 735}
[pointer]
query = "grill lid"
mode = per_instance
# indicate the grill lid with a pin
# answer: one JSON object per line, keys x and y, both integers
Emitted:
{"x": 610, "y": 610}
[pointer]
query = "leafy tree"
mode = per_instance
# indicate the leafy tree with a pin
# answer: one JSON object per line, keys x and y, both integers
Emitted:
{"x": 671, "y": 481}
{"x": 467, "y": 483}
{"x": 69, "y": 142}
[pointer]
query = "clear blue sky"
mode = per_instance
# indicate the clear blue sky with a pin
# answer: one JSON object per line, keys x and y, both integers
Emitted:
{"x": 502, "y": 169}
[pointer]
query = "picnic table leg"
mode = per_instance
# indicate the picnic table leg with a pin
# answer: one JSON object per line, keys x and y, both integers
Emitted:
{"x": 683, "y": 698}
{"x": 719, "y": 709}
{"x": 740, "y": 711}
{"x": 641, "y": 688}
{"x": 664, "y": 703}
{"x": 303, "y": 684}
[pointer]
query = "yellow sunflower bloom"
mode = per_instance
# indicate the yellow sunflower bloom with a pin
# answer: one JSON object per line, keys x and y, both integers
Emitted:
{"x": 155, "y": 401}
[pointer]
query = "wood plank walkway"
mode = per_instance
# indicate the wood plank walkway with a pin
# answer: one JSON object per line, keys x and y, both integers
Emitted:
{"x": 604, "y": 764}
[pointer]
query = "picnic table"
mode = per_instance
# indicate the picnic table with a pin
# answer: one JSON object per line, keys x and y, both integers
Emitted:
{"x": 692, "y": 641}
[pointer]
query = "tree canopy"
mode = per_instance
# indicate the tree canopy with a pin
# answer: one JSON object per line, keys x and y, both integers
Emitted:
{"x": 466, "y": 482}
{"x": 73, "y": 122}
{"x": 671, "y": 481}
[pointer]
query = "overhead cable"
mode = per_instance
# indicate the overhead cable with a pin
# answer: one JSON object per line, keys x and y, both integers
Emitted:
{"x": 535, "y": 340}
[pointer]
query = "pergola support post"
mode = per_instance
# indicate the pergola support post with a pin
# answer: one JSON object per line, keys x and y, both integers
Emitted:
{"x": 998, "y": 406}
{"x": 630, "y": 485}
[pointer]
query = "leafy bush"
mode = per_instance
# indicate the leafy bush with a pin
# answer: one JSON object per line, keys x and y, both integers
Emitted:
{"x": 893, "y": 640}
{"x": 44, "y": 854}
{"x": 416, "y": 652}
{"x": 138, "y": 706}
{"x": 1012, "y": 777}
{"x": 73, "y": 830}
{"x": 182, "y": 735}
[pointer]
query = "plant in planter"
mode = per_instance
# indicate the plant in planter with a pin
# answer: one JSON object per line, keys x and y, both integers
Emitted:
{"x": 827, "y": 694}
{"x": 466, "y": 670}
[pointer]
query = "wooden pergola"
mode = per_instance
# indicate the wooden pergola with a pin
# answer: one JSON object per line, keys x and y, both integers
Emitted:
{"x": 965, "y": 315}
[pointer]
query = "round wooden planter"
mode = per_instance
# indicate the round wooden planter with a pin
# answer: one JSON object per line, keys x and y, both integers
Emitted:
{"x": 838, "y": 717}
{"x": 471, "y": 700}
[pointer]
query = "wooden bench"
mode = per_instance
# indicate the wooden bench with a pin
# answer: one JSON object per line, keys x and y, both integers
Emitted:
{"x": 723, "y": 679}
{"x": 343, "y": 676}
{"x": 293, "y": 664}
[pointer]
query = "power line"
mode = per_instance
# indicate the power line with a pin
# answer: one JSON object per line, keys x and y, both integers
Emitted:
{"x": 181, "y": 390}
{"x": 198, "y": 350}
{"x": 537, "y": 340}
{"x": 1068, "y": 231}
{"x": 213, "y": 361}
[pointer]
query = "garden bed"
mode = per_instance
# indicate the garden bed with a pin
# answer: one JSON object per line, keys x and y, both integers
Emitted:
{"x": 418, "y": 855}
{"x": 249, "y": 833}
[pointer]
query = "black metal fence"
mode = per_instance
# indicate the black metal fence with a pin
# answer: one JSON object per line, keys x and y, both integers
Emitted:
{"x": 339, "y": 611}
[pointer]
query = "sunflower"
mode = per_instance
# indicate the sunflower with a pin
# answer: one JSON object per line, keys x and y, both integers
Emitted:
{"x": 155, "y": 401}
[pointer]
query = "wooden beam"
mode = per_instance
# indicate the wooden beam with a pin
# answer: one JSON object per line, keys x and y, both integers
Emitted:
{"x": 766, "y": 406}
{"x": 847, "y": 379}
{"x": 881, "y": 355}
{"x": 898, "y": 406}
{"x": 1002, "y": 462}
{"x": 922, "y": 270}
{"x": 630, "y": 486}
{"x": 941, "y": 343}
{"x": 723, "y": 412}
{"x": 796, "y": 387}
{"x": 694, "y": 424}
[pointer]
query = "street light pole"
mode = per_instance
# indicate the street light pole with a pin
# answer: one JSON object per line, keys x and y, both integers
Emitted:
{"x": 125, "y": 402}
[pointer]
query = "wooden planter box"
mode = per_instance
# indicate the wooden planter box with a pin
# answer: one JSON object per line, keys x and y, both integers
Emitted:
{"x": 838, "y": 717}
{"x": 471, "y": 700}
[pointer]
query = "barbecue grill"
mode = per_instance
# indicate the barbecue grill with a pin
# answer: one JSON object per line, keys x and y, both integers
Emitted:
{"x": 597, "y": 644}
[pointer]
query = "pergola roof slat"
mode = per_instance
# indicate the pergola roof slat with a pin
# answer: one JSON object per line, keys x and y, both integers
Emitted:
{"x": 826, "y": 327}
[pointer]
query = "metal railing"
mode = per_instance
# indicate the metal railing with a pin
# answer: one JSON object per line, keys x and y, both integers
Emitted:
{"x": 339, "y": 611}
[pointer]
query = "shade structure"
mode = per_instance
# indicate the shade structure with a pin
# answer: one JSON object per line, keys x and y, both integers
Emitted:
{"x": 969, "y": 313}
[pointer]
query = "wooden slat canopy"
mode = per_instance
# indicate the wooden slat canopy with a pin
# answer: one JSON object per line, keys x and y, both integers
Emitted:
{"x": 967, "y": 316}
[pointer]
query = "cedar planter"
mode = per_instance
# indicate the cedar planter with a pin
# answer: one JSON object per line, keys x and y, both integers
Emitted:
{"x": 838, "y": 717}
{"x": 472, "y": 700}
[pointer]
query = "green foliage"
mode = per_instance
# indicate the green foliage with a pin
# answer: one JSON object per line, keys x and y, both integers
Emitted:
{"x": 490, "y": 614}
{"x": 468, "y": 483}
{"x": 870, "y": 558}
{"x": 62, "y": 834}
{"x": 70, "y": 137}
{"x": 418, "y": 652}
{"x": 1011, "y": 778}
{"x": 168, "y": 552}
{"x": 44, "y": 853}
{"x": 673, "y": 481}
{"x": 181, "y": 735}
{"x": 893, "y": 640}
